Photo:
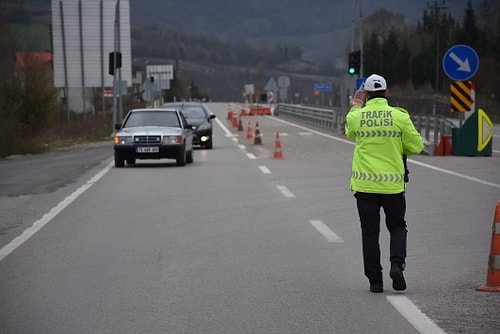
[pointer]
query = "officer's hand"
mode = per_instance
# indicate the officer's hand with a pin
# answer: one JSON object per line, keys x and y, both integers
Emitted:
{"x": 358, "y": 98}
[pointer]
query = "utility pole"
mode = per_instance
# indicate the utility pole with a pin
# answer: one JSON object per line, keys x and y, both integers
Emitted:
{"x": 361, "y": 67}
{"x": 436, "y": 8}
{"x": 359, "y": 35}
{"x": 116, "y": 49}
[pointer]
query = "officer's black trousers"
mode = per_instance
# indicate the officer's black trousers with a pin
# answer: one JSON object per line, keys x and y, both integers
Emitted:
{"x": 394, "y": 206}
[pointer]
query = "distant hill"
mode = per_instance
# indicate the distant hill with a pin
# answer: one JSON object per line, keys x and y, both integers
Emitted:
{"x": 322, "y": 28}
{"x": 214, "y": 38}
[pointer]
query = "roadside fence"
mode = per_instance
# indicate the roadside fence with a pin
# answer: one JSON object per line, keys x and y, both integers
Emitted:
{"x": 431, "y": 127}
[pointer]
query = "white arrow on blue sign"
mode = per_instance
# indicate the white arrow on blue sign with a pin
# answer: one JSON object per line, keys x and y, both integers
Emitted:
{"x": 360, "y": 82}
{"x": 460, "y": 62}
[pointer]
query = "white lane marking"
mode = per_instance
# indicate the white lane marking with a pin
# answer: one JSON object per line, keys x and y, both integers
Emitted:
{"x": 325, "y": 231}
{"x": 422, "y": 323}
{"x": 313, "y": 131}
{"x": 284, "y": 190}
{"x": 410, "y": 311}
{"x": 39, "y": 224}
{"x": 306, "y": 133}
{"x": 265, "y": 170}
{"x": 235, "y": 139}
{"x": 226, "y": 130}
{"x": 491, "y": 184}
{"x": 467, "y": 177}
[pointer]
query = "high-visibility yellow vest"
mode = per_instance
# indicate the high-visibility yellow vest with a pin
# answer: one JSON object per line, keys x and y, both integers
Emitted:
{"x": 383, "y": 135}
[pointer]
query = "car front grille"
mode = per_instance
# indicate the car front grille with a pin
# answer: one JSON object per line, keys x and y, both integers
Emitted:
{"x": 147, "y": 139}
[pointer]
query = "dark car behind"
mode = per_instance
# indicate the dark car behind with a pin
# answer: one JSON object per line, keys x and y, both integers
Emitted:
{"x": 201, "y": 120}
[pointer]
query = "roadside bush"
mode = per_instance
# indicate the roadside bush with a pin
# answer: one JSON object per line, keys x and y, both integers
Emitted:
{"x": 27, "y": 105}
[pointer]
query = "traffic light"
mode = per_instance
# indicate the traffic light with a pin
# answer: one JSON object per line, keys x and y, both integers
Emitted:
{"x": 112, "y": 66}
{"x": 354, "y": 62}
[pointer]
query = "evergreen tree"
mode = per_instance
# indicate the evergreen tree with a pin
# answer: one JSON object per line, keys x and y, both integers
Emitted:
{"x": 470, "y": 34}
{"x": 402, "y": 65}
{"x": 422, "y": 66}
{"x": 390, "y": 49}
{"x": 371, "y": 55}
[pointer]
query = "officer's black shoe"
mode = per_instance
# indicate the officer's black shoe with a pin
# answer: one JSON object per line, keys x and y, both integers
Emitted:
{"x": 398, "y": 279}
{"x": 376, "y": 288}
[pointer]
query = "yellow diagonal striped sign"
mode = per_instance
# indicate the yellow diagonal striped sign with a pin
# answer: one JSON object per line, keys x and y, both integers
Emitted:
{"x": 461, "y": 95}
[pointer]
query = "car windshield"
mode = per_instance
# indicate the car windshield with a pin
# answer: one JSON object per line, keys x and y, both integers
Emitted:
{"x": 152, "y": 118}
{"x": 193, "y": 112}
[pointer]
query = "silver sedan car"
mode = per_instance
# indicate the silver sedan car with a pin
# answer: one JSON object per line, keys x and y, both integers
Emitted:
{"x": 153, "y": 134}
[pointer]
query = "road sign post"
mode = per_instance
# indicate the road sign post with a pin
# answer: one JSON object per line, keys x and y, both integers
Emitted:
{"x": 460, "y": 63}
{"x": 283, "y": 83}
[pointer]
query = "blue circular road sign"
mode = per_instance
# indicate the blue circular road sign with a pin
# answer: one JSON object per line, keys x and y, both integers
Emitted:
{"x": 460, "y": 62}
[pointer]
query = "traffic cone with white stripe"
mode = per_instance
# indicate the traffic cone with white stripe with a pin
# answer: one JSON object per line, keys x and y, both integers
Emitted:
{"x": 493, "y": 277}
{"x": 278, "y": 155}
{"x": 249, "y": 131}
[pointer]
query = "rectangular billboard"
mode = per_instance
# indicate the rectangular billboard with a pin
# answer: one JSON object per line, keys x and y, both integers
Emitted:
{"x": 161, "y": 74}
{"x": 83, "y": 34}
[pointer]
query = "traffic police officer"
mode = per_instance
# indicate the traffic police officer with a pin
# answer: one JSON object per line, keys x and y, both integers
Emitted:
{"x": 383, "y": 134}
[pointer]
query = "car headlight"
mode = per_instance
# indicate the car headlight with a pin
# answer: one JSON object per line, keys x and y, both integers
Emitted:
{"x": 172, "y": 139}
{"x": 204, "y": 126}
{"x": 123, "y": 140}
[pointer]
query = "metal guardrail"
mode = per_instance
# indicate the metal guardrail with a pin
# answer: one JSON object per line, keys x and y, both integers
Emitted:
{"x": 330, "y": 119}
{"x": 431, "y": 127}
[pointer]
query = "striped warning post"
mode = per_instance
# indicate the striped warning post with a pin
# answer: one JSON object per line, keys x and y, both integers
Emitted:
{"x": 257, "y": 138}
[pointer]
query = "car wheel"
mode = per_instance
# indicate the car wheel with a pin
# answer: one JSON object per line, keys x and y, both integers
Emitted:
{"x": 189, "y": 157}
{"x": 131, "y": 161}
{"x": 119, "y": 161}
{"x": 181, "y": 157}
{"x": 208, "y": 144}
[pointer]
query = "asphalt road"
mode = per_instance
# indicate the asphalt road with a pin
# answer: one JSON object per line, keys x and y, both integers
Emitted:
{"x": 237, "y": 242}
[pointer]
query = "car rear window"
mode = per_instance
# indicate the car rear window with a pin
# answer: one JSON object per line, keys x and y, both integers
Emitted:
{"x": 193, "y": 112}
{"x": 152, "y": 118}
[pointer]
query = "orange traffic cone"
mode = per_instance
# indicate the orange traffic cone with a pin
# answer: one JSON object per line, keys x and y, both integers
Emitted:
{"x": 277, "y": 148}
{"x": 444, "y": 146}
{"x": 493, "y": 277}
{"x": 234, "y": 121}
{"x": 243, "y": 112}
{"x": 249, "y": 131}
{"x": 258, "y": 139}
{"x": 230, "y": 113}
